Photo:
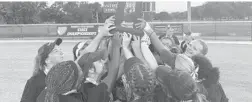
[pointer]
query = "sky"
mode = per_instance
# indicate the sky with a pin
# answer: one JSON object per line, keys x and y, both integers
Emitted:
{"x": 168, "y": 6}
{"x": 175, "y": 6}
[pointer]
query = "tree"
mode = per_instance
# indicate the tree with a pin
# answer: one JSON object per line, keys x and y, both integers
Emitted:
{"x": 54, "y": 13}
{"x": 196, "y": 13}
{"x": 67, "y": 12}
{"x": 96, "y": 10}
{"x": 21, "y": 12}
{"x": 85, "y": 13}
{"x": 163, "y": 16}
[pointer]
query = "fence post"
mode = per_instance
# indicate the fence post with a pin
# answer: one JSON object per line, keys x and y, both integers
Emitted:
{"x": 22, "y": 34}
{"x": 48, "y": 31}
{"x": 250, "y": 31}
{"x": 215, "y": 30}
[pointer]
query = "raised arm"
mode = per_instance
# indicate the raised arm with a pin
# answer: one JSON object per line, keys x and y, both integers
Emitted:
{"x": 114, "y": 65}
{"x": 104, "y": 31}
{"x": 126, "y": 41}
{"x": 136, "y": 46}
{"x": 165, "y": 54}
{"x": 149, "y": 57}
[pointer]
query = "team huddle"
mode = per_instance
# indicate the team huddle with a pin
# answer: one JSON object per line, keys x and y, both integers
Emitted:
{"x": 126, "y": 67}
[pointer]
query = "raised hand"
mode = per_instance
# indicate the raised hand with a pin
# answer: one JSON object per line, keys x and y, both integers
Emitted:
{"x": 109, "y": 25}
{"x": 136, "y": 42}
{"x": 117, "y": 40}
{"x": 126, "y": 39}
{"x": 143, "y": 25}
{"x": 106, "y": 28}
{"x": 146, "y": 39}
{"x": 111, "y": 20}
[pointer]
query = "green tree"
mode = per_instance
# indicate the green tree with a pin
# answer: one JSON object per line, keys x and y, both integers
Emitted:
{"x": 21, "y": 12}
{"x": 163, "y": 16}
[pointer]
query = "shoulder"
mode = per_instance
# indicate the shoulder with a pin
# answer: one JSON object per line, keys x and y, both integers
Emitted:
{"x": 41, "y": 96}
{"x": 168, "y": 57}
{"x": 99, "y": 93}
{"x": 102, "y": 86}
{"x": 37, "y": 79}
{"x": 98, "y": 90}
{"x": 76, "y": 97}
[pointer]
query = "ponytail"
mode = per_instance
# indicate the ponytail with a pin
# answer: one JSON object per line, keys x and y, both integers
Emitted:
{"x": 37, "y": 66}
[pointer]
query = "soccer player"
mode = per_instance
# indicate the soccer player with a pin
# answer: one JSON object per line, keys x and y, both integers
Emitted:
{"x": 48, "y": 55}
{"x": 210, "y": 79}
{"x": 180, "y": 62}
{"x": 67, "y": 84}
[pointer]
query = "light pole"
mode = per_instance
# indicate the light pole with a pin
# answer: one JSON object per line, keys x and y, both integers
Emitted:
{"x": 189, "y": 15}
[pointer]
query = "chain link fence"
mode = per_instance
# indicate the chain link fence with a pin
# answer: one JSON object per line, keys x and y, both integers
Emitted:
{"x": 229, "y": 30}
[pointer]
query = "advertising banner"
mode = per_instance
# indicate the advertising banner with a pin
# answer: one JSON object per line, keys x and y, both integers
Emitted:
{"x": 162, "y": 28}
{"x": 77, "y": 30}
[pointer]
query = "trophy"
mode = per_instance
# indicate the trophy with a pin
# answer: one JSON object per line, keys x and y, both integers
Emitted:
{"x": 120, "y": 15}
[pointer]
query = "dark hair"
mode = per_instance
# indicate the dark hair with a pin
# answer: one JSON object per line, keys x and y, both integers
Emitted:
{"x": 151, "y": 47}
{"x": 206, "y": 70}
{"x": 204, "y": 47}
{"x": 38, "y": 66}
{"x": 183, "y": 46}
{"x": 175, "y": 38}
{"x": 212, "y": 77}
{"x": 74, "y": 50}
{"x": 82, "y": 48}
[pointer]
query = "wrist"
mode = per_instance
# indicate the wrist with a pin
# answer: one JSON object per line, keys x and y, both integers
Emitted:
{"x": 125, "y": 47}
{"x": 116, "y": 46}
{"x": 100, "y": 35}
{"x": 144, "y": 43}
{"x": 148, "y": 29}
{"x": 136, "y": 48}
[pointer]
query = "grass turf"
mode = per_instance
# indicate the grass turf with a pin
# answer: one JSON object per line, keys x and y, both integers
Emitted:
{"x": 17, "y": 59}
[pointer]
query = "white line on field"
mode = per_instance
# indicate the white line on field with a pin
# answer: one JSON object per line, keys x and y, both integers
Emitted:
{"x": 41, "y": 41}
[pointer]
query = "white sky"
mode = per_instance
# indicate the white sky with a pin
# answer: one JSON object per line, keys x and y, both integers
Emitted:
{"x": 161, "y": 5}
{"x": 171, "y": 6}
{"x": 175, "y": 6}
{"x": 168, "y": 6}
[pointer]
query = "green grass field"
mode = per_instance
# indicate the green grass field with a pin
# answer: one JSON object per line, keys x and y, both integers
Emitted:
{"x": 17, "y": 59}
{"x": 222, "y": 29}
